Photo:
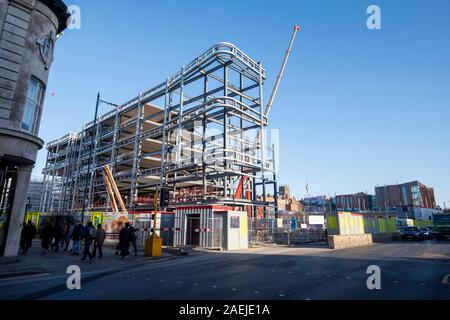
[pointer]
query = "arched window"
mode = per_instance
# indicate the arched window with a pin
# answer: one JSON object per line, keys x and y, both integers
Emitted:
{"x": 46, "y": 48}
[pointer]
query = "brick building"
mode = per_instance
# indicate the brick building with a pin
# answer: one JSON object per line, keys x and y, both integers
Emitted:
{"x": 354, "y": 202}
{"x": 413, "y": 194}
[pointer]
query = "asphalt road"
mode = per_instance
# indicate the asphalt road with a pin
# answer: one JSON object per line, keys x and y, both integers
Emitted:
{"x": 410, "y": 270}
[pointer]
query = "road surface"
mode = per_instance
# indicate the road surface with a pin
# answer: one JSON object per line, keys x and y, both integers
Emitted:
{"x": 409, "y": 270}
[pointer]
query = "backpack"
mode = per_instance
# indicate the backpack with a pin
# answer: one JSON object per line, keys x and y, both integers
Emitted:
{"x": 92, "y": 232}
{"x": 133, "y": 233}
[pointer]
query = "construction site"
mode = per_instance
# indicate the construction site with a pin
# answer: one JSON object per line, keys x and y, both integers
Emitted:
{"x": 197, "y": 139}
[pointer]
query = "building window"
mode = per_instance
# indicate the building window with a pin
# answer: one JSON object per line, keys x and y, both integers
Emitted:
{"x": 416, "y": 196}
{"x": 405, "y": 196}
{"x": 32, "y": 106}
{"x": 46, "y": 45}
{"x": 8, "y": 176}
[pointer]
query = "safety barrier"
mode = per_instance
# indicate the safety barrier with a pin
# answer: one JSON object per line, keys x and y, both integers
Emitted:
{"x": 345, "y": 223}
{"x": 273, "y": 231}
{"x": 199, "y": 231}
{"x": 352, "y": 230}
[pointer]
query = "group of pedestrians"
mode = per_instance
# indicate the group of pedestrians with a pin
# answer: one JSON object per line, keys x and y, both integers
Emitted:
{"x": 127, "y": 236}
{"x": 59, "y": 235}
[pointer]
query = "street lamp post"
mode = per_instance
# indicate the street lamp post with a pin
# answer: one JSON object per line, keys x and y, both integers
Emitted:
{"x": 91, "y": 148}
{"x": 89, "y": 159}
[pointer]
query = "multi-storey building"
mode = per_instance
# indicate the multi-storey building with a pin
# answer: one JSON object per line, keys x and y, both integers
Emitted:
{"x": 413, "y": 194}
{"x": 27, "y": 39}
{"x": 354, "y": 202}
{"x": 198, "y": 134}
{"x": 319, "y": 204}
{"x": 34, "y": 195}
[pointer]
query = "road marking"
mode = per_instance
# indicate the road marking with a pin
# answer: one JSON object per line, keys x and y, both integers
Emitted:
{"x": 214, "y": 286}
{"x": 178, "y": 282}
{"x": 281, "y": 295}
{"x": 256, "y": 292}
{"x": 234, "y": 289}
{"x": 195, "y": 284}
{"x": 445, "y": 280}
{"x": 423, "y": 285}
{"x": 26, "y": 276}
{"x": 348, "y": 277}
{"x": 396, "y": 282}
{"x": 161, "y": 280}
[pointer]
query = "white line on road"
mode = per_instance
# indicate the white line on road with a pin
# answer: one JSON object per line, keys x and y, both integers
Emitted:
{"x": 25, "y": 276}
{"x": 445, "y": 280}
{"x": 38, "y": 277}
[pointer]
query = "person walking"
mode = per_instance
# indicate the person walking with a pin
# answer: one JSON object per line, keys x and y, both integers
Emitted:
{"x": 124, "y": 239}
{"x": 28, "y": 234}
{"x": 57, "y": 236}
{"x": 77, "y": 234}
{"x": 67, "y": 234}
{"x": 89, "y": 237}
{"x": 47, "y": 235}
{"x": 133, "y": 238}
{"x": 99, "y": 239}
{"x": 119, "y": 245}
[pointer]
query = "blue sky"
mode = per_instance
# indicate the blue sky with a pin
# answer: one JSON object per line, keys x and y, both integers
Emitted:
{"x": 362, "y": 107}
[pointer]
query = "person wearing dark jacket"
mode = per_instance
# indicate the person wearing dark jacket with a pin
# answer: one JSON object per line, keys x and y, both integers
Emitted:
{"x": 124, "y": 239}
{"x": 58, "y": 235}
{"x": 47, "y": 235}
{"x": 119, "y": 244}
{"x": 67, "y": 234}
{"x": 89, "y": 237}
{"x": 77, "y": 234}
{"x": 133, "y": 238}
{"x": 99, "y": 239}
{"x": 28, "y": 234}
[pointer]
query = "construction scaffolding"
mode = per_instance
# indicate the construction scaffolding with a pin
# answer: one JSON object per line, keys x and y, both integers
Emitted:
{"x": 200, "y": 134}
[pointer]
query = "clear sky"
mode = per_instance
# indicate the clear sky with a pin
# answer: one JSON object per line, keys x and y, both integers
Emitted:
{"x": 357, "y": 107}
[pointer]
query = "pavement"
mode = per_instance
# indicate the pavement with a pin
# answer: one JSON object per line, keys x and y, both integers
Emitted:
{"x": 409, "y": 270}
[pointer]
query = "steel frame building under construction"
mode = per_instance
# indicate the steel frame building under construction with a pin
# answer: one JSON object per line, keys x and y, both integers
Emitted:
{"x": 199, "y": 134}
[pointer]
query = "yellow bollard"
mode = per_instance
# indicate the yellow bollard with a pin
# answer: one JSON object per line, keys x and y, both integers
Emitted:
{"x": 153, "y": 246}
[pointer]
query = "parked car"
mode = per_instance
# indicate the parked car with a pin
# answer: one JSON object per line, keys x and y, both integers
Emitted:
{"x": 414, "y": 233}
{"x": 427, "y": 233}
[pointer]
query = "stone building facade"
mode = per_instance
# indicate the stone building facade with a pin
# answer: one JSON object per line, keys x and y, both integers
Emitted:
{"x": 27, "y": 38}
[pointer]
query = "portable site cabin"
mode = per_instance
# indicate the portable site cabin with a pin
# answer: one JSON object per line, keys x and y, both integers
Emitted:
{"x": 215, "y": 227}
